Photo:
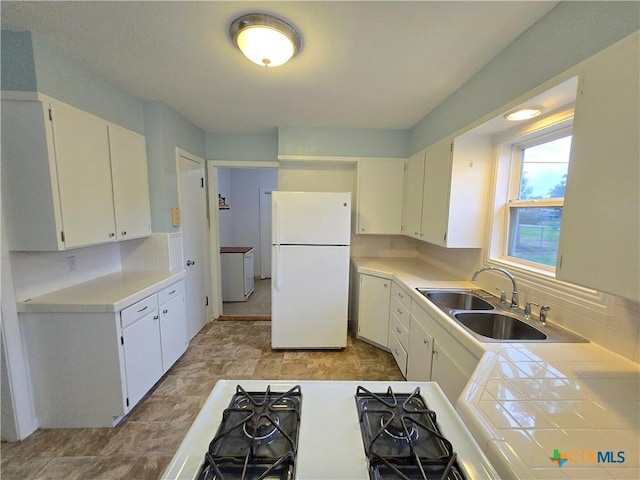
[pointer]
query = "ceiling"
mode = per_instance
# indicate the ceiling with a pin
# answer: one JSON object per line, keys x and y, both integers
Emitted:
{"x": 370, "y": 65}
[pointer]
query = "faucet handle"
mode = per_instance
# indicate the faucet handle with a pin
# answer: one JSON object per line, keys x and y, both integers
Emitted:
{"x": 503, "y": 296}
{"x": 543, "y": 313}
{"x": 527, "y": 308}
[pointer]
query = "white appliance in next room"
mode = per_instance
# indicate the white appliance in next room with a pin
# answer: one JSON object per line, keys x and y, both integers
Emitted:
{"x": 310, "y": 239}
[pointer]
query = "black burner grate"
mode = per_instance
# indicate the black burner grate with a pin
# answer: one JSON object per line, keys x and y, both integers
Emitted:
{"x": 402, "y": 439}
{"x": 257, "y": 438}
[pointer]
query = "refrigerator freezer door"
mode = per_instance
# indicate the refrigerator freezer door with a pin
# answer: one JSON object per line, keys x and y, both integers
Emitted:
{"x": 311, "y": 218}
{"x": 309, "y": 295}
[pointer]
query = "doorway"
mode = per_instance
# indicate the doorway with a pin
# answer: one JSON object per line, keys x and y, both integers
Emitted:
{"x": 243, "y": 194}
{"x": 191, "y": 197}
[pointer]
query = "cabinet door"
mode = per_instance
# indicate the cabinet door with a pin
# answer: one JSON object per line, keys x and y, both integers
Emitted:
{"x": 435, "y": 199}
{"x": 373, "y": 309}
{"x": 130, "y": 183}
{"x": 599, "y": 238}
{"x": 173, "y": 331}
{"x": 413, "y": 195}
{"x": 447, "y": 374}
{"x": 420, "y": 353}
{"x": 84, "y": 177}
{"x": 380, "y": 196}
{"x": 142, "y": 356}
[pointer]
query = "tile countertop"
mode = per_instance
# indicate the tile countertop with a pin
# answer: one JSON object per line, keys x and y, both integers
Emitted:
{"x": 529, "y": 402}
{"x": 110, "y": 293}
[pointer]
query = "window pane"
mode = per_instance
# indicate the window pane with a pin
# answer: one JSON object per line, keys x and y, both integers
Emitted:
{"x": 534, "y": 234}
{"x": 544, "y": 169}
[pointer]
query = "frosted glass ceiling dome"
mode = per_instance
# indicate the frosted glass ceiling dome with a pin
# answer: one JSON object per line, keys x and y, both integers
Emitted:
{"x": 264, "y": 39}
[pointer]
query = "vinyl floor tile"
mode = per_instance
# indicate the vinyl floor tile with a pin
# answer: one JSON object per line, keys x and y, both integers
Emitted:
{"x": 142, "y": 445}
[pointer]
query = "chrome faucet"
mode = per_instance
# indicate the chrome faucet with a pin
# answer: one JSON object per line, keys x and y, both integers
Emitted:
{"x": 514, "y": 294}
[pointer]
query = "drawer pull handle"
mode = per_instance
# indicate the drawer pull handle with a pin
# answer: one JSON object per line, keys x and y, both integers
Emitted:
{"x": 426, "y": 342}
{"x": 397, "y": 353}
{"x": 171, "y": 292}
{"x": 400, "y": 295}
{"x": 143, "y": 309}
{"x": 398, "y": 330}
{"x": 400, "y": 311}
{"x": 165, "y": 311}
{"x": 156, "y": 317}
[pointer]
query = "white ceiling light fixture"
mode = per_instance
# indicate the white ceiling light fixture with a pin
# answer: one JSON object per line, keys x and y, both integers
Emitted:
{"x": 264, "y": 39}
{"x": 523, "y": 113}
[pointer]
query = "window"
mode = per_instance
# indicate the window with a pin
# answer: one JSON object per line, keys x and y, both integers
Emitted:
{"x": 537, "y": 197}
{"x": 531, "y": 174}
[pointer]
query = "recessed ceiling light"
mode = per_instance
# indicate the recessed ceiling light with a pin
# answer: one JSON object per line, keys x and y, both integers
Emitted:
{"x": 523, "y": 113}
{"x": 264, "y": 39}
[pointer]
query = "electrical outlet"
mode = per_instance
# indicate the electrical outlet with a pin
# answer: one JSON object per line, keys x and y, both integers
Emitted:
{"x": 72, "y": 262}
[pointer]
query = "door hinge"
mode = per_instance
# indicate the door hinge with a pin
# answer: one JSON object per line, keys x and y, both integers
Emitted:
{"x": 62, "y": 235}
{"x": 121, "y": 340}
{"x": 51, "y": 115}
{"x": 201, "y": 182}
{"x": 451, "y": 147}
{"x": 581, "y": 86}
{"x": 445, "y": 236}
{"x": 127, "y": 401}
{"x": 207, "y": 300}
{"x": 560, "y": 262}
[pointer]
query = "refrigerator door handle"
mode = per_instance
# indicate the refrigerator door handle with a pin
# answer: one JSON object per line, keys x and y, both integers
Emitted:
{"x": 277, "y": 223}
{"x": 277, "y": 272}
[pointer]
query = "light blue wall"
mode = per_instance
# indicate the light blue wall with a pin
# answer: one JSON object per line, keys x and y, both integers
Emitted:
{"x": 342, "y": 142}
{"x": 17, "y": 65}
{"x": 166, "y": 130}
{"x": 567, "y": 35}
{"x": 63, "y": 78}
{"x": 244, "y": 147}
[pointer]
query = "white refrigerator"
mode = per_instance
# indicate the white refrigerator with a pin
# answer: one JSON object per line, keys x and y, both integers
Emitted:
{"x": 310, "y": 237}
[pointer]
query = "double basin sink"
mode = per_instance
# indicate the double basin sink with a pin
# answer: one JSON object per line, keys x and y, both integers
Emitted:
{"x": 489, "y": 321}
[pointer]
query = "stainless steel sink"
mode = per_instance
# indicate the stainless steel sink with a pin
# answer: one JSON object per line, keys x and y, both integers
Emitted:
{"x": 482, "y": 315}
{"x": 499, "y": 326}
{"x": 457, "y": 300}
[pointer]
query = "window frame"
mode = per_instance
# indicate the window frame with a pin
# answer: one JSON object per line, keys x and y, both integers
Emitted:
{"x": 508, "y": 171}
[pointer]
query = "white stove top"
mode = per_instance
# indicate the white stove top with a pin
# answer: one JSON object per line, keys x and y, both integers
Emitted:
{"x": 330, "y": 442}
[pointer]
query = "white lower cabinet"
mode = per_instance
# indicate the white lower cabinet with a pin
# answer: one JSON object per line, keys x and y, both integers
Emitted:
{"x": 142, "y": 355}
{"x": 374, "y": 296}
{"x": 91, "y": 369}
{"x": 420, "y": 353}
{"x": 436, "y": 355}
{"x": 399, "y": 324}
{"x": 173, "y": 332}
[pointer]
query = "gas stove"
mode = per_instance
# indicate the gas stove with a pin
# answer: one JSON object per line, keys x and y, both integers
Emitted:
{"x": 328, "y": 430}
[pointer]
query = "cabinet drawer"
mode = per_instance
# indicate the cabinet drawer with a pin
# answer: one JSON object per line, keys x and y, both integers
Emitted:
{"x": 138, "y": 310}
{"x": 172, "y": 291}
{"x": 399, "y": 353}
{"x": 397, "y": 328}
{"x": 401, "y": 296}
{"x": 403, "y": 313}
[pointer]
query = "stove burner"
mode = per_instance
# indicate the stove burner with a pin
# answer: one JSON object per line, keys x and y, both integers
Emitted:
{"x": 262, "y": 428}
{"x": 402, "y": 439}
{"x": 395, "y": 428}
{"x": 257, "y": 438}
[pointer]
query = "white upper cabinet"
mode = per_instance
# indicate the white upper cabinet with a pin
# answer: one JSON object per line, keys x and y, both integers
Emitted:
{"x": 380, "y": 196}
{"x": 69, "y": 178}
{"x": 455, "y": 182}
{"x": 414, "y": 187}
{"x": 130, "y": 183}
{"x": 599, "y": 239}
{"x": 83, "y": 163}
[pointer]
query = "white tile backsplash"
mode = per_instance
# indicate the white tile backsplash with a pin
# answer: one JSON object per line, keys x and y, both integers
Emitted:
{"x": 155, "y": 252}
{"x": 37, "y": 273}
